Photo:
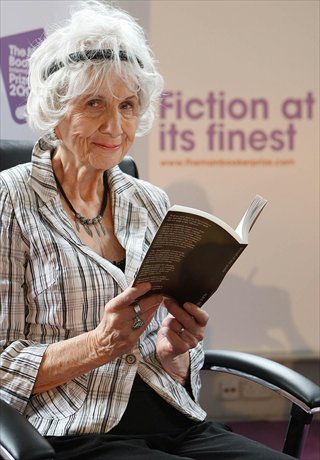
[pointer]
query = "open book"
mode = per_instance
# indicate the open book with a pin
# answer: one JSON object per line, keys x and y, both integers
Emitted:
{"x": 192, "y": 252}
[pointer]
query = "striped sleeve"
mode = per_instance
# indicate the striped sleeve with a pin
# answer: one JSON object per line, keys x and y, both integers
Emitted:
{"x": 196, "y": 362}
{"x": 20, "y": 359}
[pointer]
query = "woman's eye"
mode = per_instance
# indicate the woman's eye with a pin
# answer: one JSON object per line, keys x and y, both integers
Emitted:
{"x": 94, "y": 103}
{"x": 128, "y": 107}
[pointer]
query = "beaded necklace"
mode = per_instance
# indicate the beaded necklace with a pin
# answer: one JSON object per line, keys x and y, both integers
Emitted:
{"x": 85, "y": 221}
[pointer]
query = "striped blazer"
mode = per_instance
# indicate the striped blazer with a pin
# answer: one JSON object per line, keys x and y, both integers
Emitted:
{"x": 52, "y": 287}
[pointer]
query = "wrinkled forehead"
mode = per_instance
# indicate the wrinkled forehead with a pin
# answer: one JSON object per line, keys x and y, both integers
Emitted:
{"x": 106, "y": 80}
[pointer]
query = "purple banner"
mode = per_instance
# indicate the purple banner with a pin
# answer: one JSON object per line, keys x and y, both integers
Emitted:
{"x": 15, "y": 52}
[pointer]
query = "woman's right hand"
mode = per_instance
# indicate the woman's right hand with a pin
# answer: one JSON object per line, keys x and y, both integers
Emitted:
{"x": 115, "y": 334}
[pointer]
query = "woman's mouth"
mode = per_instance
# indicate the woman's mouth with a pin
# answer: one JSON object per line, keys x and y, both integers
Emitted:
{"x": 107, "y": 147}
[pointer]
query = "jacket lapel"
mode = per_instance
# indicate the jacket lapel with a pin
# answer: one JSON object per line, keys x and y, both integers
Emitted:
{"x": 130, "y": 223}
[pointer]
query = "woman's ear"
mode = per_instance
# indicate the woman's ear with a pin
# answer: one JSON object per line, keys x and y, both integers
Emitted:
{"x": 56, "y": 133}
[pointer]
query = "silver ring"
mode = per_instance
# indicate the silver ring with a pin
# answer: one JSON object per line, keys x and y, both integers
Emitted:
{"x": 137, "y": 308}
{"x": 181, "y": 330}
{"x": 137, "y": 322}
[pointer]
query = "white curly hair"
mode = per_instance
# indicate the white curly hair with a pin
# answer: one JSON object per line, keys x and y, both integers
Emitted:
{"x": 57, "y": 75}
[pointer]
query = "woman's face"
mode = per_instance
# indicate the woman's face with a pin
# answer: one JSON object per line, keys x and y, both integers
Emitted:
{"x": 98, "y": 130}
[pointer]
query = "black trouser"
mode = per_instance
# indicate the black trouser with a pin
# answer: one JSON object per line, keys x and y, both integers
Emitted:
{"x": 151, "y": 429}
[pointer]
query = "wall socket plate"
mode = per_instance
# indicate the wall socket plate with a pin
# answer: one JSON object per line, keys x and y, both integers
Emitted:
{"x": 230, "y": 390}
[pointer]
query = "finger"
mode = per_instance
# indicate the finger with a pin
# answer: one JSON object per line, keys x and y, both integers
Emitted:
{"x": 173, "y": 326}
{"x": 170, "y": 322}
{"x": 200, "y": 315}
{"x": 129, "y": 295}
{"x": 138, "y": 317}
{"x": 188, "y": 338}
{"x": 182, "y": 339}
{"x": 147, "y": 303}
{"x": 140, "y": 314}
{"x": 191, "y": 316}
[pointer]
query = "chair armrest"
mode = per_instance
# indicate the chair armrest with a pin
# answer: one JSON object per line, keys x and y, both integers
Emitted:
{"x": 289, "y": 383}
{"x": 20, "y": 438}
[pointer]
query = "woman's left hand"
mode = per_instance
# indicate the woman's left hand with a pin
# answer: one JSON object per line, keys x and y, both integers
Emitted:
{"x": 181, "y": 330}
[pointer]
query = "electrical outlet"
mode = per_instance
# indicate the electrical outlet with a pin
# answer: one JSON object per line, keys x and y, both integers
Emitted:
{"x": 230, "y": 390}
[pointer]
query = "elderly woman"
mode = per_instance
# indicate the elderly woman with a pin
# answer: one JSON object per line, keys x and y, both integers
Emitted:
{"x": 96, "y": 373}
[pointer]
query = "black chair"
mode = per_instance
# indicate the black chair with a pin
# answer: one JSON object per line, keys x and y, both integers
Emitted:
{"x": 20, "y": 441}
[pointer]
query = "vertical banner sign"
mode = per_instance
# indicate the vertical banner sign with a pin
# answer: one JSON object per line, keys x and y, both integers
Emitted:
{"x": 239, "y": 116}
{"x": 15, "y": 52}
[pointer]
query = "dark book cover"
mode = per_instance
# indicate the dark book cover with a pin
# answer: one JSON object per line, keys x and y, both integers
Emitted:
{"x": 192, "y": 252}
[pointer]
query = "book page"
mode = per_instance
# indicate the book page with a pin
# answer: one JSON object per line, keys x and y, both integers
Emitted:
{"x": 250, "y": 217}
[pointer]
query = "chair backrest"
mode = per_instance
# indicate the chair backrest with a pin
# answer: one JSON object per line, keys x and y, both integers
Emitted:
{"x": 13, "y": 152}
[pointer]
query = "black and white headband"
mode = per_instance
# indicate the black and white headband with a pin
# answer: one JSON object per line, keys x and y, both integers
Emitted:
{"x": 92, "y": 55}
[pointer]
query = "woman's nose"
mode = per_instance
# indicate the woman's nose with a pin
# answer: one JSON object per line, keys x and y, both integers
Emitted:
{"x": 111, "y": 124}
